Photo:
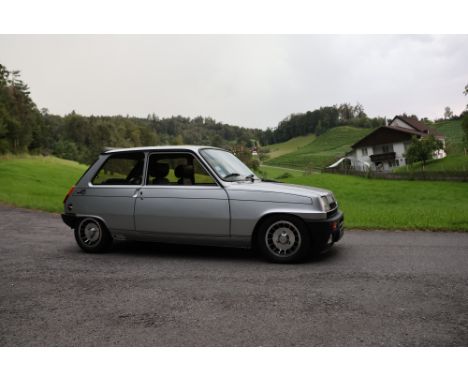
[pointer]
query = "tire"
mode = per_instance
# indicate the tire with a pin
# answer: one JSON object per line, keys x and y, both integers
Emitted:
{"x": 283, "y": 239}
{"x": 92, "y": 236}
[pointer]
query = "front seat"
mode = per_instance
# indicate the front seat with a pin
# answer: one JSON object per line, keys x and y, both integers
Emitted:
{"x": 160, "y": 171}
{"x": 185, "y": 174}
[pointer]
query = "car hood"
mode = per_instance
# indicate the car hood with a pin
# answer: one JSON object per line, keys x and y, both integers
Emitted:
{"x": 279, "y": 188}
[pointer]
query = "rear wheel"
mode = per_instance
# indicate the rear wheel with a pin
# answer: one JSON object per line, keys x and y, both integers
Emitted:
{"x": 92, "y": 235}
{"x": 283, "y": 239}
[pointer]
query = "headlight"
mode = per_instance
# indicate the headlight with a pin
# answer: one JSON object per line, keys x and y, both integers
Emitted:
{"x": 328, "y": 202}
{"x": 325, "y": 204}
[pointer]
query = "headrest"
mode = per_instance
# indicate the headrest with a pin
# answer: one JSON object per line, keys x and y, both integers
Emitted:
{"x": 159, "y": 170}
{"x": 182, "y": 171}
{"x": 179, "y": 171}
{"x": 188, "y": 171}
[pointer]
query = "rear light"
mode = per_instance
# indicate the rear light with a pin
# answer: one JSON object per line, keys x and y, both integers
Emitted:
{"x": 70, "y": 191}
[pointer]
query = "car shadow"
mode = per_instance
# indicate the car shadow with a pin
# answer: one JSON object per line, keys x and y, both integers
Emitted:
{"x": 183, "y": 251}
{"x": 150, "y": 249}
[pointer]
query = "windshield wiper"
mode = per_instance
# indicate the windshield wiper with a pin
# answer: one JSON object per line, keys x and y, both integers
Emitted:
{"x": 231, "y": 175}
{"x": 250, "y": 177}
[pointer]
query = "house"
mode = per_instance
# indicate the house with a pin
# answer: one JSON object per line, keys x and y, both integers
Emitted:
{"x": 385, "y": 147}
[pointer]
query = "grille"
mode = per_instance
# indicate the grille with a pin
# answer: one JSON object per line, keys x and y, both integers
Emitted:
{"x": 332, "y": 213}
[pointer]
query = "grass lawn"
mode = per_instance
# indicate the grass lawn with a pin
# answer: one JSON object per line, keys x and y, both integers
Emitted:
{"x": 42, "y": 182}
{"x": 396, "y": 204}
{"x": 293, "y": 144}
{"x": 323, "y": 151}
{"x": 457, "y": 162}
{"x": 271, "y": 172}
{"x": 37, "y": 182}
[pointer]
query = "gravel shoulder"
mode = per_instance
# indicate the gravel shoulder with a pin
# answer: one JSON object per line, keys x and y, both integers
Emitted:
{"x": 375, "y": 288}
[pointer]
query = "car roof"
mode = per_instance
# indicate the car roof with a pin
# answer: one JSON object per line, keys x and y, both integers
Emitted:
{"x": 111, "y": 150}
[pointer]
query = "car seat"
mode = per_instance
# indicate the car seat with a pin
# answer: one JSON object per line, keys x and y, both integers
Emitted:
{"x": 160, "y": 171}
{"x": 185, "y": 174}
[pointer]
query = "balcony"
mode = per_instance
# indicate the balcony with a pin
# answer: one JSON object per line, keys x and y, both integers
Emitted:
{"x": 384, "y": 157}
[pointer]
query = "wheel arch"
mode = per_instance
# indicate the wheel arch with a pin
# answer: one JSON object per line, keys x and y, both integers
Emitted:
{"x": 253, "y": 239}
{"x": 79, "y": 218}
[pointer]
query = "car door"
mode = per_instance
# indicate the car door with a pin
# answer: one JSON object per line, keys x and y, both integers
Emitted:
{"x": 181, "y": 199}
{"x": 110, "y": 193}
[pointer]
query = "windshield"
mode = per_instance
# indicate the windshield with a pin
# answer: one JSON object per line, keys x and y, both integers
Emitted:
{"x": 227, "y": 165}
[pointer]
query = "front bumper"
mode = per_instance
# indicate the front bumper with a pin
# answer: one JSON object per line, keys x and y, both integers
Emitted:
{"x": 328, "y": 231}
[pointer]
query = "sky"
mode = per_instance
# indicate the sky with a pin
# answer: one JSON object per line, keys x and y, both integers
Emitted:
{"x": 247, "y": 80}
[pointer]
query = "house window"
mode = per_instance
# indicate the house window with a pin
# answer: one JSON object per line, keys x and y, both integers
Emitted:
{"x": 387, "y": 148}
{"x": 364, "y": 151}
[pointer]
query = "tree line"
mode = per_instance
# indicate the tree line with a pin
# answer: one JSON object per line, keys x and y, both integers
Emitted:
{"x": 319, "y": 121}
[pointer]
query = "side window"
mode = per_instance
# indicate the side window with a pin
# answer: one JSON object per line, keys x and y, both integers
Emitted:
{"x": 201, "y": 175}
{"x": 177, "y": 169}
{"x": 121, "y": 169}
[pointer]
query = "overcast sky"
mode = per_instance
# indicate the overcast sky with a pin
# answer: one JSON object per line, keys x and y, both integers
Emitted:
{"x": 252, "y": 81}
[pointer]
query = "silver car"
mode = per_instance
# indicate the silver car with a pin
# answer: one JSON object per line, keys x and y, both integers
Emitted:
{"x": 197, "y": 195}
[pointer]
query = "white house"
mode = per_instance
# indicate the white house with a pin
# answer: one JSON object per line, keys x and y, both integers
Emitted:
{"x": 385, "y": 147}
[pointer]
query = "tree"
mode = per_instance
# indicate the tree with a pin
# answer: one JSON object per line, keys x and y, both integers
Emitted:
{"x": 217, "y": 141}
{"x": 465, "y": 122}
{"x": 319, "y": 130}
{"x": 421, "y": 150}
{"x": 359, "y": 111}
{"x": 448, "y": 113}
{"x": 411, "y": 116}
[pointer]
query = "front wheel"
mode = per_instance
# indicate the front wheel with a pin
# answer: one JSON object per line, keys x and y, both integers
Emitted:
{"x": 283, "y": 239}
{"x": 92, "y": 236}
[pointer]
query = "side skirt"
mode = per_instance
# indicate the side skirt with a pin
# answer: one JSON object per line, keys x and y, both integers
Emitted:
{"x": 219, "y": 241}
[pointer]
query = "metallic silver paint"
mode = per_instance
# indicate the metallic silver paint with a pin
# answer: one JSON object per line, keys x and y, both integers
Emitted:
{"x": 184, "y": 210}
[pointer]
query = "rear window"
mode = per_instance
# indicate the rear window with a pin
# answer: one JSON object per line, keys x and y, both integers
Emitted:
{"x": 121, "y": 169}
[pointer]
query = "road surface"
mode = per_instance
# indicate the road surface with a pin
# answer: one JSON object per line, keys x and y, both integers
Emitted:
{"x": 374, "y": 288}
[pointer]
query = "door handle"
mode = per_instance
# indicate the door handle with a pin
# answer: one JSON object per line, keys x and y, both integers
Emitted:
{"x": 138, "y": 193}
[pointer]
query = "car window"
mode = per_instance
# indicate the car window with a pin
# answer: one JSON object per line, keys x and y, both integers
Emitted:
{"x": 177, "y": 169}
{"x": 121, "y": 169}
{"x": 227, "y": 165}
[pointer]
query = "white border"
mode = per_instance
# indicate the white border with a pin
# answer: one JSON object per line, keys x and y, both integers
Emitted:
{"x": 234, "y": 364}
{"x": 234, "y": 16}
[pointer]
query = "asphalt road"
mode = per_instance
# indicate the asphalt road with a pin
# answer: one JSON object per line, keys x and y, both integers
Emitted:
{"x": 373, "y": 288}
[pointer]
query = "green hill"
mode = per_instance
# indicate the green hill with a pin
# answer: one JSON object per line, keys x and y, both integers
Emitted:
{"x": 323, "y": 150}
{"x": 453, "y": 135}
{"x": 36, "y": 181}
{"x": 293, "y": 144}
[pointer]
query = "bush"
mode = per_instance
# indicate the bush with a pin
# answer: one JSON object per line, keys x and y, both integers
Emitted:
{"x": 284, "y": 175}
